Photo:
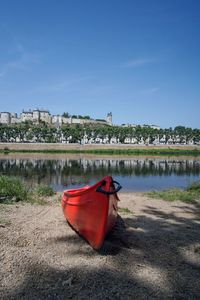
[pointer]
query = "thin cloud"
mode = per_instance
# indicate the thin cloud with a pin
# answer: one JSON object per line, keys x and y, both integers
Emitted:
{"x": 154, "y": 90}
{"x": 138, "y": 62}
{"x": 151, "y": 90}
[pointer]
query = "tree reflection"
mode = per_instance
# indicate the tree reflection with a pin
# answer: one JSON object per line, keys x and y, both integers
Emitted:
{"x": 70, "y": 171}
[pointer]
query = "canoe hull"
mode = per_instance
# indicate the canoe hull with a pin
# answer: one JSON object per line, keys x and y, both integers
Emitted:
{"x": 91, "y": 213}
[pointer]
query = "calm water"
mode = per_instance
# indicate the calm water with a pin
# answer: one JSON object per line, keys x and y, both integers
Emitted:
{"x": 134, "y": 174}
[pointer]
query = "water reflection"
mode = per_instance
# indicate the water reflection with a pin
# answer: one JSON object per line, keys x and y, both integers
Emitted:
{"x": 134, "y": 173}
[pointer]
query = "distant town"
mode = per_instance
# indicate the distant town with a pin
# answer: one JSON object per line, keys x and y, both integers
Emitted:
{"x": 37, "y": 116}
{"x": 39, "y": 126}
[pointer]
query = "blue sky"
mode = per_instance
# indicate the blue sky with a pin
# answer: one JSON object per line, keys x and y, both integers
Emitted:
{"x": 138, "y": 59}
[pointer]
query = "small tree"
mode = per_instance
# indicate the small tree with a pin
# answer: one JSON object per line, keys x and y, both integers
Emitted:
{"x": 66, "y": 115}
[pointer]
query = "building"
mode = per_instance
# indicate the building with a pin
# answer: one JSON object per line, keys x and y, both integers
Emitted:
{"x": 40, "y": 115}
{"x": 45, "y": 116}
{"x": 36, "y": 116}
{"x": 26, "y": 116}
{"x": 109, "y": 118}
{"x": 5, "y": 117}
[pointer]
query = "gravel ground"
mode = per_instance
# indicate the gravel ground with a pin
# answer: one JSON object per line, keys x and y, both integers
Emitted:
{"x": 152, "y": 253}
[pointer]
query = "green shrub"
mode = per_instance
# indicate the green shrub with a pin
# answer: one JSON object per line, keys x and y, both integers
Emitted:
{"x": 12, "y": 188}
{"x": 43, "y": 190}
{"x": 194, "y": 187}
{"x": 190, "y": 194}
{"x": 6, "y": 150}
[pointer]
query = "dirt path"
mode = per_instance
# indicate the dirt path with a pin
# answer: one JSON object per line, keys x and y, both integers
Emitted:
{"x": 153, "y": 253}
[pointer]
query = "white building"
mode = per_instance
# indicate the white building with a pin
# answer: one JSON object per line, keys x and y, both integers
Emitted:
{"x": 26, "y": 116}
{"x": 57, "y": 120}
{"x": 36, "y": 116}
{"x": 45, "y": 116}
{"x": 15, "y": 120}
{"x": 109, "y": 118}
{"x": 5, "y": 118}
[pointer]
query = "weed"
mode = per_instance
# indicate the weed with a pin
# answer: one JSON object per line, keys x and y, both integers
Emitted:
{"x": 124, "y": 210}
{"x": 190, "y": 194}
{"x": 194, "y": 187}
{"x": 4, "y": 222}
{"x": 12, "y": 188}
{"x": 43, "y": 190}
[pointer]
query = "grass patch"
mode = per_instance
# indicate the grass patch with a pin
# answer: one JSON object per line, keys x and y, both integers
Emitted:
{"x": 13, "y": 190}
{"x": 43, "y": 190}
{"x": 194, "y": 187}
{"x": 190, "y": 194}
{"x": 6, "y": 150}
{"x": 124, "y": 210}
{"x": 125, "y": 151}
{"x": 39, "y": 193}
{"x": 34, "y": 199}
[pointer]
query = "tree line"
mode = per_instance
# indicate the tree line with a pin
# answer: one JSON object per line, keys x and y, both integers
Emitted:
{"x": 95, "y": 133}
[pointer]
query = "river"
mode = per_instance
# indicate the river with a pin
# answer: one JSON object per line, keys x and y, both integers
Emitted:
{"x": 70, "y": 171}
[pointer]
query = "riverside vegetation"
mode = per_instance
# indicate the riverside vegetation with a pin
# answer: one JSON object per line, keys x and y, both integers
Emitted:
{"x": 150, "y": 151}
{"x": 190, "y": 194}
{"x": 14, "y": 190}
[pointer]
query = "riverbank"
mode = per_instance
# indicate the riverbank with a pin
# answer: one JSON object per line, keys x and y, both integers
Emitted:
{"x": 109, "y": 149}
{"x": 153, "y": 253}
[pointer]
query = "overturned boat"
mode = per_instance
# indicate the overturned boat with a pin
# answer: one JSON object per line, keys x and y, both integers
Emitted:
{"x": 92, "y": 210}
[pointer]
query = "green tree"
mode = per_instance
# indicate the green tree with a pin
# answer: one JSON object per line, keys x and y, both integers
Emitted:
{"x": 66, "y": 115}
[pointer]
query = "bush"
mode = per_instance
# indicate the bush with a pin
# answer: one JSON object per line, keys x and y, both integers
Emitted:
{"x": 194, "y": 187}
{"x": 12, "y": 188}
{"x": 6, "y": 150}
{"x": 44, "y": 190}
{"x": 190, "y": 194}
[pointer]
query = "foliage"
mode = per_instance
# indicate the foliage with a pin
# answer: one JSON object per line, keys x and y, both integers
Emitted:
{"x": 124, "y": 210}
{"x": 6, "y": 150}
{"x": 149, "y": 151}
{"x": 74, "y": 133}
{"x": 101, "y": 120}
{"x": 12, "y": 188}
{"x": 194, "y": 187}
{"x": 44, "y": 190}
{"x": 190, "y": 194}
{"x": 66, "y": 115}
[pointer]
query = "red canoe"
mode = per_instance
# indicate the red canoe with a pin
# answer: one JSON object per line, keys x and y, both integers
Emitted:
{"x": 92, "y": 210}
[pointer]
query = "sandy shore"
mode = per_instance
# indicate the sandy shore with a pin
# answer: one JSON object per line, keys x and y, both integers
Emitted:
{"x": 153, "y": 253}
